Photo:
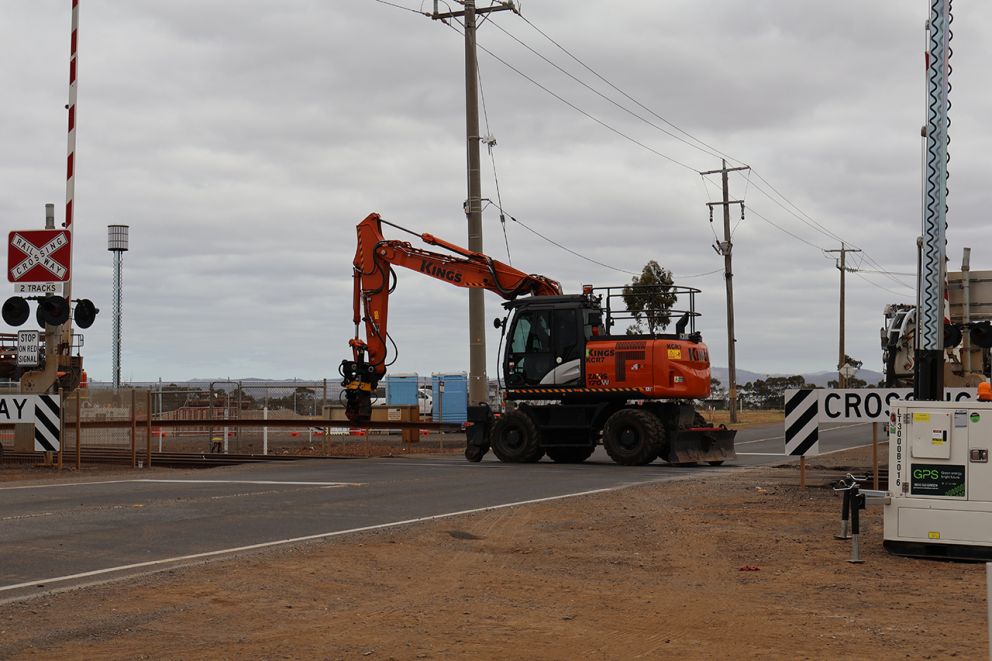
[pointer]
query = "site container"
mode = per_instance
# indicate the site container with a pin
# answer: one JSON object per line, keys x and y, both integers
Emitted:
{"x": 401, "y": 389}
{"x": 452, "y": 407}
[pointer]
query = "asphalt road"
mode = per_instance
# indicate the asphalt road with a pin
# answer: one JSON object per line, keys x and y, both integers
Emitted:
{"x": 56, "y": 535}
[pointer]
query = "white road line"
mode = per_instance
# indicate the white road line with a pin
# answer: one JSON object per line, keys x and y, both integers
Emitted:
{"x": 822, "y": 454}
{"x": 303, "y": 484}
{"x": 86, "y": 484}
{"x": 296, "y": 540}
{"x": 782, "y": 435}
{"x": 855, "y": 447}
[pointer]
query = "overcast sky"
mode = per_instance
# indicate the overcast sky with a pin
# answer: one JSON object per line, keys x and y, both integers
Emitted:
{"x": 243, "y": 140}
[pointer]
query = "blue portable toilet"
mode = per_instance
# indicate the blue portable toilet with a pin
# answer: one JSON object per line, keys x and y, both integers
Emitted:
{"x": 401, "y": 389}
{"x": 455, "y": 406}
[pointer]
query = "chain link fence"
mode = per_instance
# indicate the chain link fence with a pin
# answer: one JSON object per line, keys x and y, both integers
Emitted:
{"x": 208, "y": 412}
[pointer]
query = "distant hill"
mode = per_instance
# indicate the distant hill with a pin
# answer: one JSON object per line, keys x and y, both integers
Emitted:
{"x": 813, "y": 378}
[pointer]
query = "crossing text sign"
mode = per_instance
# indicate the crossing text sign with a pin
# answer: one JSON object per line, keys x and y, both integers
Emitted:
{"x": 872, "y": 404}
{"x": 806, "y": 409}
{"x": 39, "y": 256}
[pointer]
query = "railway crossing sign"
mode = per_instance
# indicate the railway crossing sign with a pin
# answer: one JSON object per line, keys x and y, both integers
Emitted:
{"x": 38, "y": 257}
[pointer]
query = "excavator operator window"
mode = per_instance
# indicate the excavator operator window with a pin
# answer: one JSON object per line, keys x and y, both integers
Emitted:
{"x": 530, "y": 356}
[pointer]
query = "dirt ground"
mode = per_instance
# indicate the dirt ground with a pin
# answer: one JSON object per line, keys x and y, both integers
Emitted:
{"x": 737, "y": 565}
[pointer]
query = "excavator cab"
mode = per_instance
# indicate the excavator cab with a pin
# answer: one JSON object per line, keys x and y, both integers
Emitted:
{"x": 546, "y": 340}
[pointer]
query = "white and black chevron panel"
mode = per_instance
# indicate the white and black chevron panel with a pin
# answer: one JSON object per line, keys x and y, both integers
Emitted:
{"x": 801, "y": 422}
{"x": 46, "y": 423}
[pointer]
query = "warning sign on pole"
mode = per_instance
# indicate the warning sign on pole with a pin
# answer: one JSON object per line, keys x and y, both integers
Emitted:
{"x": 28, "y": 348}
{"x": 39, "y": 256}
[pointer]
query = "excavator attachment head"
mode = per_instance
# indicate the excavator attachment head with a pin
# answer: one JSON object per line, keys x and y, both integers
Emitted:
{"x": 358, "y": 406}
{"x": 358, "y": 390}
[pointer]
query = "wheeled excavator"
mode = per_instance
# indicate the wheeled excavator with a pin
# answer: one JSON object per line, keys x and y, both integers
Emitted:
{"x": 570, "y": 384}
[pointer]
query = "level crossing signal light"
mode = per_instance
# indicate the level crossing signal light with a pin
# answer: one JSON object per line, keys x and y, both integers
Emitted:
{"x": 980, "y": 332}
{"x": 52, "y": 310}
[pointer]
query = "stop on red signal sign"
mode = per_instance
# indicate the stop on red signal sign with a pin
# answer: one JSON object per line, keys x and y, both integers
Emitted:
{"x": 39, "y": 256}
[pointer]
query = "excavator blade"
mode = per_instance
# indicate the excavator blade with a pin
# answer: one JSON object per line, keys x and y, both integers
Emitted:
{"x": 697, "y": 444}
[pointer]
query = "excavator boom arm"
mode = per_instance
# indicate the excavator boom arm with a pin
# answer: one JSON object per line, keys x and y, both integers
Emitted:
{"x": 375, "y": 257}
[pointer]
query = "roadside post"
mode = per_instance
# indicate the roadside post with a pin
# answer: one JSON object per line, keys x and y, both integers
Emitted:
{"x": 79, "y": 428}
{"x": 440, "y": 409}
{"x": 874, "y": 456}
{"x": 265, "y": 431}
{"x": 134, "y": 430}
{"x": 61, "y": 425}
{"x": 148, "y": 428}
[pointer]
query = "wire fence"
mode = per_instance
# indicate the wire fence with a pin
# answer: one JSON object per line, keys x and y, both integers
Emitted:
{"x": 227, "y": 417}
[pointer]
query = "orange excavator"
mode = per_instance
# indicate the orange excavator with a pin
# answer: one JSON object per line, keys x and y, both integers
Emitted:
{"x": 569, "y": 384}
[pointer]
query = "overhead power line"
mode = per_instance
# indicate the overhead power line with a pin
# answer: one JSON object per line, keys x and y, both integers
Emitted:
{"x": 706, "y": 148}
{"x": 559, "y": 245}
{"x": 766, "y": 188}
{"x": 782, "y": 229}
{"x": 410, "y": 9}
{"x": 579, "y": 110}
{"x": 781, "y": 200}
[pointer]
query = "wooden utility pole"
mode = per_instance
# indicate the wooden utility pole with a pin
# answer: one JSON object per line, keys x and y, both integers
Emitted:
{"x": 842, "y": 354}
{"x": 725, "y": 248}
{"x": 478, "y": 383}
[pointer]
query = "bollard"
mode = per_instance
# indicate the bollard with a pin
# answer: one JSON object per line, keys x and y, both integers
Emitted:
{"x": 854, "y": 502}
{"x": 857, "y": 504}
{"x": 845, "y": 513}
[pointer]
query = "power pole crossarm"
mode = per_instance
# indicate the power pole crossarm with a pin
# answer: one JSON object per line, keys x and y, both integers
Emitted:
{"x": 508, "y": 6}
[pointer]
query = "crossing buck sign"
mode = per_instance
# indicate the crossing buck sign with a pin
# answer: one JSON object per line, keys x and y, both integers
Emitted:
{"x": 37, "y": 257}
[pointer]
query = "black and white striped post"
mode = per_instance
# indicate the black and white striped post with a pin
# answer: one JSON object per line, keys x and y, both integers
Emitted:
{"x": 802, "y": 427}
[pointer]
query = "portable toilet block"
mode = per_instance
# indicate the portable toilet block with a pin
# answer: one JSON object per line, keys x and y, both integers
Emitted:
{"x": 451, "y": 406}
{"x": 401, "y": 389}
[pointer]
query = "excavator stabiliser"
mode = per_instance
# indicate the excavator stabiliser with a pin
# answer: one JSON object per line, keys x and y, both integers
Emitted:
{"x": 697, "y": 444}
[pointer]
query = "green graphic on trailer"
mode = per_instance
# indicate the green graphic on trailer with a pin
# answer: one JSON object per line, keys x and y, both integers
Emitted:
{"x": 937, "y": 480}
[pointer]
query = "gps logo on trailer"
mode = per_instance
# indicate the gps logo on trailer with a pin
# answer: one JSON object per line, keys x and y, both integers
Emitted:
{"x": 801, "y": 424}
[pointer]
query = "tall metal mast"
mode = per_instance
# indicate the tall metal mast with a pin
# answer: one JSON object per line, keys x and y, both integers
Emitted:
{"x": 929, "y": 384}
